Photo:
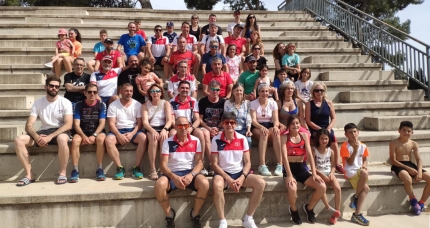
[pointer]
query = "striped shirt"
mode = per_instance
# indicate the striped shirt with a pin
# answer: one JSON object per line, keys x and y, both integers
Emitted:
{"x": 158, "y": 45}
{"x": 187, "y": 108}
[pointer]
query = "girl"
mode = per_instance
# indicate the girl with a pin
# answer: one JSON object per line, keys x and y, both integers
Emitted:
{"x": 64, "y": 47}
{"x": 146, "y": 78}
{"x": 280, "y": 77}
{"x": 234, "y": 63}
{"x": 291, "y": 62}
{"x": 264, "y": 79}
{"x": 278, "y": 53}
{"x": 304, "y": 85}
{"x": 255, "y": 39}
{"x": 325, "y": 168}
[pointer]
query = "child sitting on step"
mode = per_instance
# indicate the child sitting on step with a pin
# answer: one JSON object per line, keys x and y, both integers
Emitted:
{"x": 291, "y": 62}
{"x": 146, "y": 78}
{"x": 354, "y": 156}
{"x": 400, "y": 157}
{"x": 304, "y": 85}
{"x": 325, "y": 167}
{"x": 264, "y": 79}
{"x": 281, "y": 76}
{"x": 64, "y": 47}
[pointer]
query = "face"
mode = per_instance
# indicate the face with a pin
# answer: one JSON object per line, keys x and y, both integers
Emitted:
{"x": 195, "y": 19}
{"x": 406, "y": 132}
{"x": 352, "y": 134}
{"x": 91, "y": 93}
{"x": 212, "y": 19}
{"x": 126, "y": 92}
{"x": 155, "y": 92}
{"x": 291, "y": 48}
{"x": 236, "y": 15}
{"x": 214, "y": 91}
{"x": 184, "y": 90}
{"x": 295, "y": 125}
{"x": 281, "y": 49}
{"x": 237, "y": 31}
{"x": 181, "y": 126}
{"x": 216, "y": 66}
{"x": 232, "y": 51}
{"x": 252, "y": 65}
{"x": 183, "y": 69}
{"x": 103, "y": 37}
{"x": 256, "y": 49}
{"x": 78, "y": 67}
{"x": 62, "y": 36}
{"x": 254, "y": 36}
{"x": 137, "y": 25}
{"x": 182, "y": 43}
{"x": 131, "y": 28}
{"x": 52, "y": 88}
{"x": 264, "y": 71}
{"x": 158, "y": 31}
{"x": 133, "y": 62}
{"x": 319, "y": 91}
{"x": 106, "y": 64}
{"x": 323, "y": 140}
{"x": 229, "y": 125}
{"x": 264, "y": 92}
{"x": 251, "y": 18}
{"x": 108, "y": 46}
{"x": 145, "y": 69}
{"x": 213, "y": 47}
{"x": 213, "y": 30}
{"x": 72, "y": 35}
{"x": 169, "y": 29}
{"x": 306, "y": 74}
{"x": 238, "y": 93}
{"x": 289, "y": 90}
{"x": 185, "y": 29}
{"x": 282, "y": 76}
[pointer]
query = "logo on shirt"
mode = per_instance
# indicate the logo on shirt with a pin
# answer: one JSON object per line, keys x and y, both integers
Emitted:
{"x": 190, "y": 145}
{"x": 236, "y": 144}
{"x": 132, "y": 43}
{"x": 220, "y": 144}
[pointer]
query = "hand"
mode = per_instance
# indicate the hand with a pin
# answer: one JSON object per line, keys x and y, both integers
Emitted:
{"x": 325, "y": 178}
{"x": 264, "y": 130}
{"x": 163, "y": 134}
{"x": 92, "y": 139}
{"x": 275, "y": 131}
{"x": 42, "y": 140}
{"x": 331, "y": 176}
{"x": 187, "y": 179}
{"x": 317, "y": 178}
{"x": 213, "y": 131}
{"x": 418, "y": 177}
{"x": 155, "y": 135}
{"x": 152, "y": 59}
{"x": 86, "y": 141}
{"x": 239, "y": 182}
{"x": 190, "y": 129}
{"x": 231, "y": 184}
{"x": 165, "y": 59}
{"x": 128, "y": 136}
{"x": 248, "y": 133}
{"x": 290, "y": 181}
{"x": 282, "y": 127}
{"x": 328, "y": 128}
{"x": 122, "y": 139}
{"x": 412, "y": 171}
{"x": 178, "y": 181}
{"x": 355, "y": 144}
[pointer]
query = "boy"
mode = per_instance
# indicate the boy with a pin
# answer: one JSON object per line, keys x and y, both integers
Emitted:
{"x": 138, "y": 30}
{"x": 291, "y": 62}
{"x": 400, "y": 158}
{"x": 98, "y": 47}
{"x": 170, "y": 34}
{"x": 354, "y": 156}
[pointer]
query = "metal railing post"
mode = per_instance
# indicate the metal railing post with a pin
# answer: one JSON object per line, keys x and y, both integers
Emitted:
{"x": 428, "y": 70}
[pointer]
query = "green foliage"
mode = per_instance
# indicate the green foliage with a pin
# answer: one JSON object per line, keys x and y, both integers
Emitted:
{"x": 200, "y": 4}
{"x": 245, "y": 4}
{"x": 74, "y": 3}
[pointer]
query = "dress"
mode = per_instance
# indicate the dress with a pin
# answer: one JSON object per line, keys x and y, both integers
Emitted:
{"x": 233, "y": 66}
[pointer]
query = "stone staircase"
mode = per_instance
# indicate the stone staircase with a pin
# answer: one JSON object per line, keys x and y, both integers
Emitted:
{"x": 361, "y": 91}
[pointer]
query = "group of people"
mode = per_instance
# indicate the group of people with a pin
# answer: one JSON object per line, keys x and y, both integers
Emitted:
{"x": 240, "y": 104}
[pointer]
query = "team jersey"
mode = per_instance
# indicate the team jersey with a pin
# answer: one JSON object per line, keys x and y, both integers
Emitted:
{"x": 188, "y": 108}
{"x": 89, "y": 115}
{"x": 174, "y": 84}
{"x": 158, "y": 45}
{"x": 181, "y": 157}
{"x": 230, "y": 155}
{"x": 107, "y": 83}
{"x": 191, "y": 41}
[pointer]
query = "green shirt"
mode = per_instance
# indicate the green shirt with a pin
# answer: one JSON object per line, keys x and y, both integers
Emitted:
{"x": 248, "y": 79}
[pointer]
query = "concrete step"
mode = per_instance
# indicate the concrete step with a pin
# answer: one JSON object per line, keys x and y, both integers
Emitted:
{"x": 381, "y": 96}
{"x": 391, "y": 123}
{"x": 356, "y": 75}
{"x": 21, "y": 79}
{"x": 337, "y": 59}
{"x": 9, "y": 132}
{"x": 16, "y": 102}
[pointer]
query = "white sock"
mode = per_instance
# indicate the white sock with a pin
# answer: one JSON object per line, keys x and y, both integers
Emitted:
{"x": 246, "y": 218}
{"x": 76, "y": 168}
{"x": 100, "y": 166}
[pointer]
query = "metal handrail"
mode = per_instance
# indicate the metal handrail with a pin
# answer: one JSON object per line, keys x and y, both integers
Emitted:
{"x": 372, "y": 35}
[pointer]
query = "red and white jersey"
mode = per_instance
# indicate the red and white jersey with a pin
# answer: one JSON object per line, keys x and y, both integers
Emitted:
{"x": 107, "y": 83}
{"x": 230, "y": 155}
{"x": 181, "y": 157}
{"x": 188, "y": 108}
{"x": 174, "y": 83}
{"x": 158, "y": 45}
{"x": 191, "y": 40}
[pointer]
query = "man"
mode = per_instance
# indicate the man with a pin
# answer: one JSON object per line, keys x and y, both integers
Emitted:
{"x": 182, "y": 75}
{"x": 159, "y": 50}
{"x": 98, "y": 47}
{"x": 89, "y": 120}
{"x": 249, "y": 77}
{"x": 183, "y": 54}
{"x": 131, "y": 43}
{"x": 116, "y": 56}
{"x": 138, "y": 29}
{"x": 106, "y": 80}
{"x": 192, "y": 44}
{"x": 231, "y": 162}
{"x": 181, "y": 163}
{"x": 129, "y": 76}
{"x": 230, "y": 26}
{"x": 55, "y": 113}
{"x": 204, "y": 46}
{"x": 208, "y": 57}
{"x": 170, "y": 33}
{"x": 184, "y": 105}
{"x": 211, "y": 109}
{"x": 237, "y": 40}
{"x": 125, "y": 124}
{"x": 76, "y": 81}
{"x": 220, "y": 76}
{"x": 205, "y": 29}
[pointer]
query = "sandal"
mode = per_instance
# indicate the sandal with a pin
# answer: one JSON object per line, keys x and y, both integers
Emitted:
{"x": 61, "y": 180}
{"x": 24, "y": 182}
{"x": 153, "y": 175}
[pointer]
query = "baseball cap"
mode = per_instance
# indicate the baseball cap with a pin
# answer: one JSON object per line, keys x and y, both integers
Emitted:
{"x": 107, "y": 57}
{"x": 237, "y": 12}
{"x": 62, "y": 32}
{"x": 238, "y": 25}
{"x": 108, "y": 40}
{"x": 169, "y": 24}
{"x": 250, "y": 58}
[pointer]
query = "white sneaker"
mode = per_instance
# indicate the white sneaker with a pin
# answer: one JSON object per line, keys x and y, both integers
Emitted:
{"x": 278, "y": 170}
{"x": 222, "y": 223}
{"x": 49, "y": 64}
{"x": 204, "y": 172}
{"x": 249, "y": 223}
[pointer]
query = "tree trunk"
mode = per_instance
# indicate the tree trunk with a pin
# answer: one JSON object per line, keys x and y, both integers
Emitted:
{"x": 146, "y": 4}
{"x": 249, "y": 4}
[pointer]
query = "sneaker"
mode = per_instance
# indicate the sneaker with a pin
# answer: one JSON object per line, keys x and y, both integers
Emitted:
{"x": 334, "y": 216}
{"x": 204, "y": 172}
{"x": 416, "y": 208}
{"x": 339, "y": 169}
{"x": 264, "y": 171}
{"x": 278, "y": 170}
{"x": 295, "y": 217}
{"x": 360, "y": 219}
{"x": 249, "y": 223}
{"x": 421, "y": 206}
{"x": 171, "y": 221}
{"x": 353, "y": 203}
{"x": 74, "y": 177}
{"x": 100, "y": 175}
{"x": 137, "y": 174}
{"x": 119, "y": 173}
{"x": 48, "y": 64}
{"x": 222, "y": 223}
{"x": 196, "y": 220}
{"x": 310, "y": 215}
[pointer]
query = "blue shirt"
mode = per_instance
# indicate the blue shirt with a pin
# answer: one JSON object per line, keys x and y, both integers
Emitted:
{"x": 98, "y": 47}
{"x": 170, "y": 36}
{"x": 277, "y": 82}
{"x": 207, "y": 59}
{"x": 131, "y": 44}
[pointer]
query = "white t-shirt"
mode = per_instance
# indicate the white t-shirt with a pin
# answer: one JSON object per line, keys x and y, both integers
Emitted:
{"x": 304, "y": 89}
{"x": 207, "y": 41}
{"x": 107, "y": 83}
{"x": 264, "y": 115}
{"x": 158, "y": 117}
{"x": 346, "y": 151}
{"x": 191, "y": 41}
{"x": 51, "y": 114}
{"x": 125, "y": 117}
{"x": 230, "y": 26}
{"x": 322, "y": 161}
{"x": 230, "y": 155}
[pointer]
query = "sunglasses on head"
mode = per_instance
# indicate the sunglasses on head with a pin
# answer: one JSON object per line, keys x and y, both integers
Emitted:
{"x": 91, "y": 92}
{"x": 215, "y": 89}
{"x": 155, "y": 91}
{"x": 319, "y": 90}
{"x": 183, "y": 126}
{"x": 230, "y": 122}
{"x": 53, "y": 86}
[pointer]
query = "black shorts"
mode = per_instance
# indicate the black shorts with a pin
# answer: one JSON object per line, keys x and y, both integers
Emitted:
{"x": 157, "y": 129}
{"x": 299, "y": 171}
{"x": 158, "y": 60}
{"x": 267, "y": 125}
{"x": 294, "y": 76}
{"x": 88, "y": 134}
{"x": 48, "y": 132}
{"x": 181, "y": 174}
{"x": 396, "y": 170}
{"x": 233, "y": 176}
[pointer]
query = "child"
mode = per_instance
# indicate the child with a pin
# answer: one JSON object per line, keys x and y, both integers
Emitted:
{"x": 64, "y": 47}
{"x": 304, "y": 85}
{"x": 98, "y": 47}
{"x": 400, "y": 157}
{"x": 325, "y": 167}
{"x": 264, "y": 79}
{"x": 146, "y": 78}
{"x": 291, "y": 62}
{"x": 170, "y": 34}
{"x": 280, "y": 77}
{"x": 138, "y": 30}
{"x": 354, "y": 156}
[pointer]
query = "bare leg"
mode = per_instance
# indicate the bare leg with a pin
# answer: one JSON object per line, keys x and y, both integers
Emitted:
{"x": 141, "y": 147}
{"x": 161, "y": 187}
{"x": 100, "y": 151}
{"x": 207, "y": 144}
{"x": 276, "y": 140}
{"x": 335, "y": 148}
{"x": 407, "y": 183}
{"x": 426, "y": 191}
{"x": 57, "y": 67}
{"x": 90, "y": 65}
{"x": 21, "y": 152}
{"x": 110, "y": 143}
{"x": 63, "y": 152}
{"x": 165, "y": 69}
{"x": 152, "y": 150}
{"x": 218, "y": 184}
{"x": 74, "y": 150}
{"x": 202, "y": 186}
{"x": 68, "y": 60}
{"x": 291, "y": 195}
{"x": 258, "y": 185}
{"x": 337, "y": 193}
{"x": 362, "y": 190}
{"x": 320, "y": 189}
{"x": 262, "y": 145}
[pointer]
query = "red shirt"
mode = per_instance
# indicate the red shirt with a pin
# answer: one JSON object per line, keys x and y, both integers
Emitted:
{"x": 176, "y": 57}
{"x": 114, "y": 54}
{"x": 142, "y": 33}
{"x": 224, "y": 80}
{"x": 239, "y": 42}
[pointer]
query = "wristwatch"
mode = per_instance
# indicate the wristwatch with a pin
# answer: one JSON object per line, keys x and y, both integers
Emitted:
{"x": 166, "y": 129}
{"x": 95, "y": 135}
{"x": 192, "y": 173}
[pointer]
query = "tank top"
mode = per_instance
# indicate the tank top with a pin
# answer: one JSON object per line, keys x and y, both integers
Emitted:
{"x": 283, "y": 115}
{"x": 159, "y": 118}
{"x": 195, "y": 33}
{"x": 323, "y": 119}
{"x": 296, "y": 149}
{"x": 322, "y": 161}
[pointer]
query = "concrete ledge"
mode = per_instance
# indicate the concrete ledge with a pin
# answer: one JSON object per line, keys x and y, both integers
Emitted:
{"x": 381, "y": 96}
{"x": 356, "y": 75}
{"x": 391, "y": 123}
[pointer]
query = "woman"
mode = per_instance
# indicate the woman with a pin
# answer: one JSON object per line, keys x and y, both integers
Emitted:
{"x": 320, "y": 113}
{"x": 256, "y": 48}
{"x": 251, "y": 25}
{"x": 157, "y": 120}
{"x": 278, "y": 52}
{"x": 294, "y": 146}
{"x": 234, "y": 63}
{"x": 240, "y": 107}
{"x": 255, "y": 39}
{"x": 75, "y": 37}
{"x": 264, "y": 115}
{"x": 195, "y": 29}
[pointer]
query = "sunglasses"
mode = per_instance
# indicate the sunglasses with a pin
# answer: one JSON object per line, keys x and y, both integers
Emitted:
{"x": 251, "y": 17}
{"x": 232, "y": 122}
{"x": 79, "y": 65}
{"x": 216, "y": 90}
{"x": 183, "y": 126}
{"x": 158, "y": 30}
{"x": 257, "y": 49}
{"x": 92, "y": 92}
{"x": 318, "y": 90}
{"x": 237, "y": 14}
{"x": 195, "y": 18}
{"x": 155, "y": 91}
{"x": 214, "y": 46}
{"x": 53, "y": 86}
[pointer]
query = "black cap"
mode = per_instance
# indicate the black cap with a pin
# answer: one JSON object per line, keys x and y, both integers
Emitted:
{"x": 239, "y": 25}
{"x": 108, "y": 40}
{"x": 250, "y": 58}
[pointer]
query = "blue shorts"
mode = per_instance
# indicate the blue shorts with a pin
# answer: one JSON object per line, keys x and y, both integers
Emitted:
{"x": 106, "y": 100}
{"x": 233, "y": 176}
{"x": 158, "y": 60}
{"x": 127, "y": 130}
{"x": 181, "y": 174}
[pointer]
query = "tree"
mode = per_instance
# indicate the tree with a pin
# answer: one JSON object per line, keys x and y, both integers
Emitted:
{"x": 201, "y": 4}
{"x": 245, "y": 4}
{"x": 77, "y": 3}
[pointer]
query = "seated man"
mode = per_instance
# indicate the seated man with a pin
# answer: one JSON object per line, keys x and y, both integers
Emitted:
{"x": 224, "y": 79}
{"x": 131, "y": 43}
{"x": 181, "y": 163}
{"x": 159, "y": 50}
{"x": 231, "y": 162}
{"x": 117, "y": 61}
{"x": 237, "y": 40}
{"x": 76, "y": 81}
{"x": 55, "y": 113}
{"x": 192, "y": 42}
{"x": 182, "y": 75}
{"x": 204, "y": 46}
{"x": 208, "y": 57}
{"x": 106, "y": 80}
{"x": 89, "y": 120}
{"x": 125, "y": 124}
{"x": 98, "y": 47}
{"x": 183, "y": 54}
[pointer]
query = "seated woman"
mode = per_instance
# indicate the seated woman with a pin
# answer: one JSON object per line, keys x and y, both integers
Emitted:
{"x": 294, "y": 146}
{"x": 240, "y": 107}
{"x": 264, "y": 114}
{"x": 255, "y": 39}
{"x": 278, "y": 53}
{"x": 256, "y": 48}
{"x": 157, "y": 120}
{"x": 75, "y": 37}
{"x": 251, "y": 25}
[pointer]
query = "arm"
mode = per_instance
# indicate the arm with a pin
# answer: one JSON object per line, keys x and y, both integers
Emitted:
{"x": 145, "y": 119}
{"x": 301, "y": 107}
{"x": 195, "y": 49}
{"x": 417, "y": 158}
{"x": 203, "y": 68}
{"x": 196, "y": 122}
{"x": 277, "y": 65}
{"x": 68, "y": 120}
{"x": 139, "y": 88}
{"x": 244, "y": 46}
{"x": 202, "y": 49}
{"x": 72, "y": 88}
{"x": 167, "y": 52}
{"x": 351, "y": 158}
{"x": 205, "y": 90}
{"x": 241, "y": 66}
{"x": 29, "y": 128}
{"x": 256, "y": 86}
{"x": 308, "y": 151}
{"x": 148, "y": 47}
{"x": 308, "y": 117}
{"x": 72, "y": 46}
{"x": 225, "y": 68}
{"x": 228, "y": 91}
{"x": 332, "y": 115}
{"x": 262, "y": 49}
